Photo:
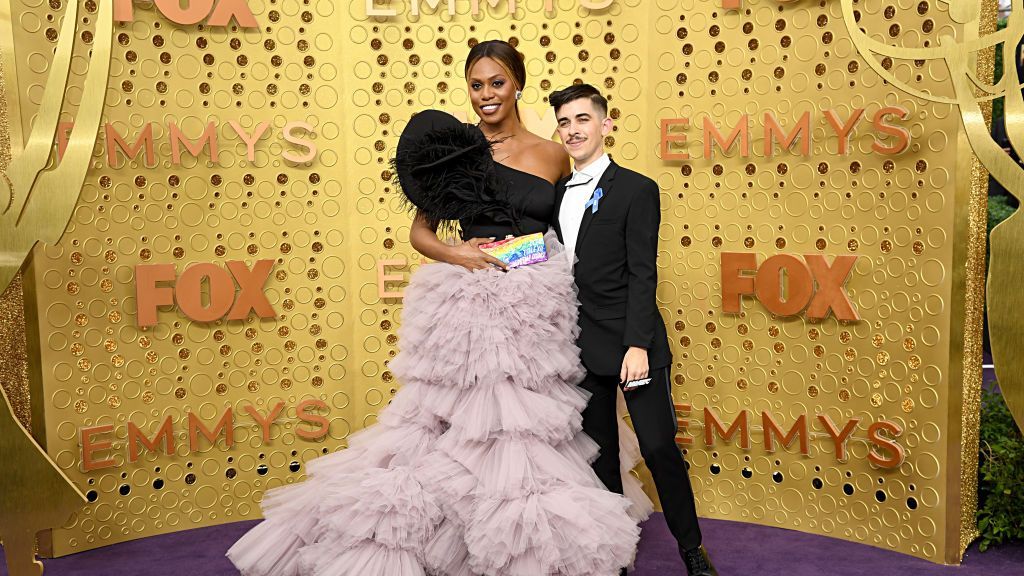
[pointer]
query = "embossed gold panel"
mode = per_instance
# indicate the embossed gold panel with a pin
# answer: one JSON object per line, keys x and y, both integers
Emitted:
{"x": 355, "y": 79}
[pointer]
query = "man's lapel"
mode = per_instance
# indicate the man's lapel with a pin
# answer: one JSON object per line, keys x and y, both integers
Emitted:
{"x": 559, "y": 195}
{"x": 605, "y": 184}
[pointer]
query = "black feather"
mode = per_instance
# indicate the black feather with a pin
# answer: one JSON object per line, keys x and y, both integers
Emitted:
{"x": 449, "y": 174}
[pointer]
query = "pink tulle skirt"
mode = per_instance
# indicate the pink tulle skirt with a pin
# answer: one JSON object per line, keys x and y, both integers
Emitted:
{"x": 478, "y": 466}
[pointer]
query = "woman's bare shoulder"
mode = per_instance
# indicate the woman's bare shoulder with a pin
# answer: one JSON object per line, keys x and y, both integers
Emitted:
{"x": 546, "y": 159}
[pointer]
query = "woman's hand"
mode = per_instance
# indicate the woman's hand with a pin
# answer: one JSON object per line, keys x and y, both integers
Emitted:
{"x": 423, "y": 237}
{"x": 471, "y": 257}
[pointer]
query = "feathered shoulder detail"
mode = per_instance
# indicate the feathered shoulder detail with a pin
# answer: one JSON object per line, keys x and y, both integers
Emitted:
{"x": 445, "y": 169}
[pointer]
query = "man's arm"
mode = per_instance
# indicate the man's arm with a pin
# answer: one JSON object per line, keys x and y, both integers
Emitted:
{"x": 642, "y": 222}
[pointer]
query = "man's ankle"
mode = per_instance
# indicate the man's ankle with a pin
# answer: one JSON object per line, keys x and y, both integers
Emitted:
{"x": 685, "y": 549}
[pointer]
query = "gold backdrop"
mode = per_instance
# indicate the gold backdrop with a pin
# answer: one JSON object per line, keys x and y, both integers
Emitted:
{"x": 329, "y": 222}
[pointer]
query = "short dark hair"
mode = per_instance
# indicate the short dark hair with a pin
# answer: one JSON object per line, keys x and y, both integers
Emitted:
{"x": 562, "y": 97}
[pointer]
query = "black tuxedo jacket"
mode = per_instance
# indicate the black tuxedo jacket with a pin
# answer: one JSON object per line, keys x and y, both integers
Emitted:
{"x": 617, "y": 273}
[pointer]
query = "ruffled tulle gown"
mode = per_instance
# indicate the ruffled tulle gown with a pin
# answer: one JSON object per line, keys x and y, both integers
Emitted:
{"x": 478, "y": 466}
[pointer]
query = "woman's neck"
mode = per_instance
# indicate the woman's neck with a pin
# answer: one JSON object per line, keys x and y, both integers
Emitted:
{"x": 507, "y": 128}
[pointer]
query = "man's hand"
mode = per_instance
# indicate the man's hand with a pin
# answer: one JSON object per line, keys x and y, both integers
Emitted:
{"x": 634, "y": 365}
{"x": 470, "y": 256}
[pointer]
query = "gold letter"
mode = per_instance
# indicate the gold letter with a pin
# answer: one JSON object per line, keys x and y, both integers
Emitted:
{"x": 148, "y": 295}
{"x": 196, "y": 11}
{"x": 831, "y": 294}
{"x": 433, "y": 5}
{"x": 250, "y": 141}
{"x": 772, "y": 429}
{"x": 772, "y": 129}
{"x": 877, "y": 439}
{"x": 843, "y": 130}
{"x": 194, "y": 148}
{"x": 135, "y": 436}
{"x": 307, "y": 144}
{"x": 115, "y": 143}
{"x": 682, "y": 423}
{"x": 712, "y": 135}
{"x": 902, "y": 134}
{"x": 667, "y": 136}
{"x": 124, "y": 11}
{"x": 839, "y": 438}
{"x": 227, "y": 8}
{"x": 189, "y": 292}
{"x": 250, "y": 284}
{"x": 312, "y": 418}
{"x": 265, "y": 423}
{"x": 383, "y": 278}
{"x": 90, "y": 447}
{"x": 799, "y": 285}
{"x": 712, "y": 424}
{"x": 226, "y": 423}
{"x": 545, "y": 125}
{"x": 63, "y": 135}
{"x": 734, "y": 284}
{"x": 371, "y": 11}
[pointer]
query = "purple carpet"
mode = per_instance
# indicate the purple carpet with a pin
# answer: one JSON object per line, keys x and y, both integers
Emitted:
{"x": 737, "y": 549}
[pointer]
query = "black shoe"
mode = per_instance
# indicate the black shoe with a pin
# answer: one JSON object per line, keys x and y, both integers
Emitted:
{"x": 697, "y": 562}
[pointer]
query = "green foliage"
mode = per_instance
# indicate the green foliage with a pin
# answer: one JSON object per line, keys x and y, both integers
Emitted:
{"x": 1000, "y": 206}
{"x": 1000, "y": 475}
{"x": 997, "y": 105}
{"x": 1000, "y": 25}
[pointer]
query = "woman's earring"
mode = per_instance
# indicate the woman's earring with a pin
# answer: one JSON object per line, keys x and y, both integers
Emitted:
{"x": 519, "y": 94}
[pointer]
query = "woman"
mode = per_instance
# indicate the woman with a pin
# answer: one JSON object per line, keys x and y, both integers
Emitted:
{"x": 495, "y": 78}
{"x": 478, "y": 465}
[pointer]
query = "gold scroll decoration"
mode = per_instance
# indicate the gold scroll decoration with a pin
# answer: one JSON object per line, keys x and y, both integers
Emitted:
{"x": 37, "y": 204}
{"x": 1007, "y": 240}
{"x": 968, "y": 62}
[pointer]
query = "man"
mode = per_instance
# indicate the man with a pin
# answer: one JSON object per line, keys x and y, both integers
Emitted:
{"x": 608, "y": 217}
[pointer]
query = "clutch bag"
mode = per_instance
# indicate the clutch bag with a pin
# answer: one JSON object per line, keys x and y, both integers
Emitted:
{"x": 518, "y": 251}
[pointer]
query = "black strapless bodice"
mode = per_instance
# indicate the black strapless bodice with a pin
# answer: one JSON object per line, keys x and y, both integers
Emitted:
{"x": 531, "y": 196}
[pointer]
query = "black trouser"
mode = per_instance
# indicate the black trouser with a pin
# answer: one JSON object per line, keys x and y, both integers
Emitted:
{"x": 654, "y": 419}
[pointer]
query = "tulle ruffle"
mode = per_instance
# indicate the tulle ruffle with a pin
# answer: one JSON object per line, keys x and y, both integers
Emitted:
{"x": 478, "y": 465}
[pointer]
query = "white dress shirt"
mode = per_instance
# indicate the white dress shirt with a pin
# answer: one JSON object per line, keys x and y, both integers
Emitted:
{"x": 578, "y": 191}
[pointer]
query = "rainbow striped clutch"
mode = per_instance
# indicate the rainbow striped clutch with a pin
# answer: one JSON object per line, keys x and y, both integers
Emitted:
{"x": 518, "y": 251}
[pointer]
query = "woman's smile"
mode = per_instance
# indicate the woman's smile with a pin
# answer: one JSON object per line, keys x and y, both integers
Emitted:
{"x": 489, "y": 109}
